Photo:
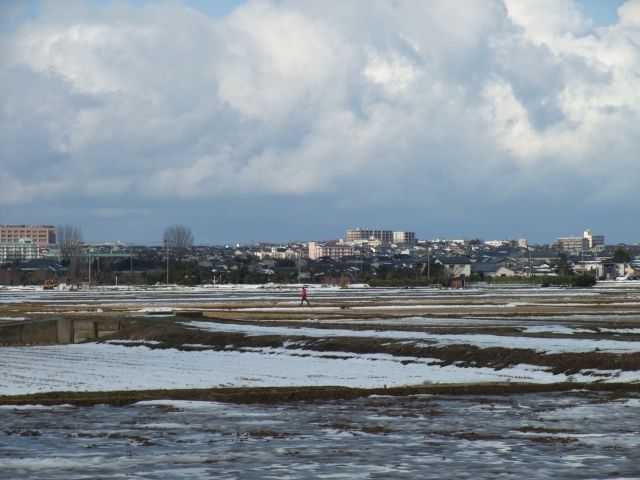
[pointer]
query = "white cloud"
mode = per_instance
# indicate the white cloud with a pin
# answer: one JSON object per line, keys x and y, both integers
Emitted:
{"x": 393, "y": 72}
{"x": 291, "y": 98}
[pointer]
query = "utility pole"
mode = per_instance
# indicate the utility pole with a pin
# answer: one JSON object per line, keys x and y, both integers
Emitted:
{"x": 89, "y": 258}
{"x": 167, "y": 244}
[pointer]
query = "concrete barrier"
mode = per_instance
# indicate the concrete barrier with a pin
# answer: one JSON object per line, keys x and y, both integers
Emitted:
{"x": 57, "y": 331}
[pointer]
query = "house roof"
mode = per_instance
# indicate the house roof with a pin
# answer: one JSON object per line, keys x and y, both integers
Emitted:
{"x": 41, "y": 264}
{"x": 487, "y": 267}
{"x": 454, "y": 260}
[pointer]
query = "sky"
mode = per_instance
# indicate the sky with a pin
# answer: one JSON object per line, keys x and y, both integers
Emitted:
{"x": 282, "y": 120}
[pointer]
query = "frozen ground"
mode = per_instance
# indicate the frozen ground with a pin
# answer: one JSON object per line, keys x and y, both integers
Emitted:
{"x": 572, "y": 435}
{"x": 516, "y": 436}
{"x": 253, "y": 293}
{"x": 546, "y": 345}
{"x": 106, "y": 367}
{"x": 95, "y": 366}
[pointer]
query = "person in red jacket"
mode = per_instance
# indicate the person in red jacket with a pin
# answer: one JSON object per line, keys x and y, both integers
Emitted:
{"x": 303, "y": 297}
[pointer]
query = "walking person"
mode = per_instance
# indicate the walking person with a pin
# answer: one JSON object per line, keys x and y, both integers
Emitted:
{"x": 303, "y": 297}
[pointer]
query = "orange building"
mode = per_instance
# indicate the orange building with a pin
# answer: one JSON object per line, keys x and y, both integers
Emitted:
{"x": 41, "y": 235}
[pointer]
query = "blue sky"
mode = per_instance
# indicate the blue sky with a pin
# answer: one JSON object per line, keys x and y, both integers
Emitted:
{"x": 282, "y": 120}
{"x": 602, "y": 12}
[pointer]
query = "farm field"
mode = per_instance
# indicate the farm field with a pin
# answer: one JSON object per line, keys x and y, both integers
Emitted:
{"x": 231, "y": 381}
{"x": 424, "y": 436}
{"x": 176, "y": 338}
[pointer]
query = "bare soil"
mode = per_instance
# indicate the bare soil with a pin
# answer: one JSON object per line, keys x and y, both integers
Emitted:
{"x": 274, "y": 395}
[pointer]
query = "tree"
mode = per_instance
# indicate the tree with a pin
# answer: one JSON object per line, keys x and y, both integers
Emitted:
{"x": 620, "y": 255}
{"x": 70, "y": 241}
{"x": 563, "y": 267}
{"x": 179, "y": 239}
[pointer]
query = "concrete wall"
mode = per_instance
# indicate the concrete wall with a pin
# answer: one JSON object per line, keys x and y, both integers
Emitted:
{"x": 61, "y": 331}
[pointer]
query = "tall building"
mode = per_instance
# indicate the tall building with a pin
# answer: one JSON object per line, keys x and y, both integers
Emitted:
{"x": 358, "y": 235}
{"x": 404, "y": 238}
{"x": 41, "y": 235}
{"x": 571, "y": 244}
{"x": 595, "y": 242}
{"x": 586, "y": 243}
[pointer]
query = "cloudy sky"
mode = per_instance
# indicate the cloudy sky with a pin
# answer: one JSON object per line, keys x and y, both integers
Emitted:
{"x": 280, "y": 120}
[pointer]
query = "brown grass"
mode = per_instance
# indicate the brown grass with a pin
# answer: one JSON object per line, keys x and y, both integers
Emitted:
{"x": 275, "y": 395}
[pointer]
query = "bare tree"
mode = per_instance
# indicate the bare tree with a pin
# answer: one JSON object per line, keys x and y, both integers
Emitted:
{"x": 179, "y": 239}
{"x": 70, "y": 241}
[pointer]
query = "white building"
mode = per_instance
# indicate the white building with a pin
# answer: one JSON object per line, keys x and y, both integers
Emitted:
{"x": 278, "y": 253}
{"x": 356, "y": 234}
{"x": 404, "y": 238}
{"x": 571, "y": 244}
{"x": 595, "y": 242}
{"x": 20, "y": 251}
{"x": 587, "y": 242}
{"x": 497, "y": 243}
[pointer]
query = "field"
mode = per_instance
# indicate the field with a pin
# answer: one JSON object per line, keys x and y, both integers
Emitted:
{"x": 508, "y": 374}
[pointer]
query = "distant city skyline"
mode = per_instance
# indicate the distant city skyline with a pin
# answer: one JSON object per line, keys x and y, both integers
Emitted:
{"x": 290, "y": 120}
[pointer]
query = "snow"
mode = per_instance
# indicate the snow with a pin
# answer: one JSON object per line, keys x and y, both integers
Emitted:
{"x": 621, "y": 330}
{"x": 140, "y": 341}
{"x": 119, "y": 365}
{"x": 547, "y": 345}
{"x": 35, "y": 407}
{"x": 559, "y": 329}
{"x": 106, "y": 367}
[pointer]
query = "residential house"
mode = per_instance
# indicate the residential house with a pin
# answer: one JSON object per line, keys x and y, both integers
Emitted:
{"x": 490, "y": 270}
{"x": 455, "y": 266}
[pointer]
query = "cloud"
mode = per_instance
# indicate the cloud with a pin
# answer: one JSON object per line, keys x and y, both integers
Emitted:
{"x": 366, "y": 101}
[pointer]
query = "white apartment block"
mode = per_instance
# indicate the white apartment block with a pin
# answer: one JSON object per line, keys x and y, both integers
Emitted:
{"x": 587, "y": 242}
{"x": 404, "y": 238}
{"x": 18, "y": 251}
{"x": 277, "y": 254}
{"x": 358, "y": 235}
{"x": 571, "y": 244}
{"x": 594, "y": 242}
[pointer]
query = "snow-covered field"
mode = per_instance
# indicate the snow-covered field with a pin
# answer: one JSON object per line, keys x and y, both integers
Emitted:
{"x": 106, "y": 367}
{"x": 121, "y": 366}
{"x": 546, "y": 345}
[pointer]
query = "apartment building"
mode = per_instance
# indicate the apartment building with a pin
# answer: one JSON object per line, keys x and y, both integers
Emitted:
{"x": 333, "y": 250}
{"x": 588, "y": 242}
{"x": 41, "y": 235}
{"x": 18, "y": 251}
{"x": 404, "y": 238}
{"x": 358, "y": 235}
{"x": 571, "y": 244}
{"x": 595, "y": 242}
